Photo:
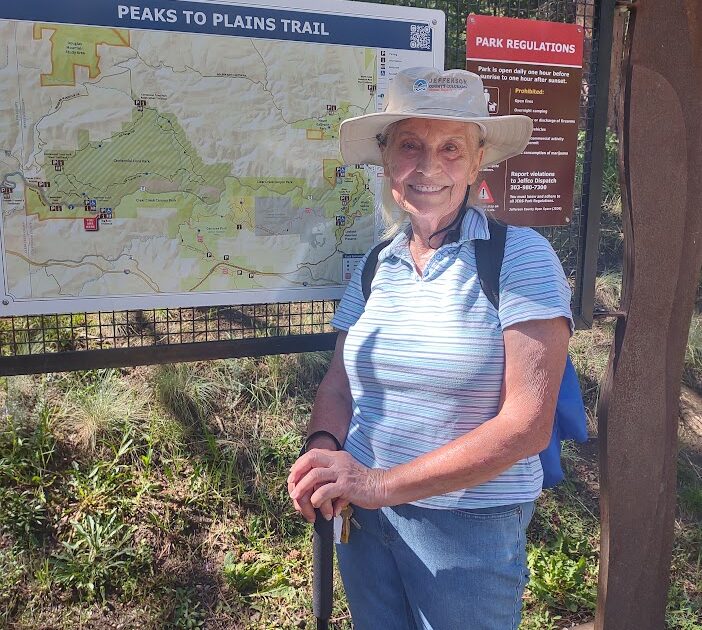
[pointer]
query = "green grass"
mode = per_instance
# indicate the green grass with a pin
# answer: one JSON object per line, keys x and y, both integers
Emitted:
{"x": 26, "y": 453}
{"x": 185, "y": 393}
{"x": 99, "y": 407}
{"x": 175, "y": 513}
{"x": 611, "y": 244}
{"x": 44, "y": 333}
{"x": 692, "y": 374}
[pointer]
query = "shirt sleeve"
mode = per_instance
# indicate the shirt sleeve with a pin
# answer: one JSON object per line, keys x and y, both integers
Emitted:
{"x": 352, "y": 302}
{"x": 532, "y": 282}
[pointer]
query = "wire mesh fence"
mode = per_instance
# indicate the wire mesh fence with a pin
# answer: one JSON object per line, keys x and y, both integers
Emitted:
{"x": 26, "y": 341}
{"x": 135, "y": 329}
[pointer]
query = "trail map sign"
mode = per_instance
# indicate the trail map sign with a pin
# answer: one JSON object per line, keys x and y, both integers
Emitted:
{"x": 185, "y": 153}
{"x": 532, "y": 68}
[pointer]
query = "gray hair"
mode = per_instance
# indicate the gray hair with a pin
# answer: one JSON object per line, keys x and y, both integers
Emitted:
{"x": 394, "y": 216}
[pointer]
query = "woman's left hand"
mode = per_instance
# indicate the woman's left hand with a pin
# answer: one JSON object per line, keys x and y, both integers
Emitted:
{"x": 338, "y": 478}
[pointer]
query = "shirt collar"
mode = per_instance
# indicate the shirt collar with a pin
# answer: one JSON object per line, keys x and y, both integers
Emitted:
{"x": 474, "y": 226}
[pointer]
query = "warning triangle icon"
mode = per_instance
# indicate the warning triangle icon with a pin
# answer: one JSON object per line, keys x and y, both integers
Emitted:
{"x": 484, "y": 193}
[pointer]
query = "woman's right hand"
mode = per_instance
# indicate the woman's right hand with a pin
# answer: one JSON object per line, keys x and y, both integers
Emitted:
{"x": 303, "y": 505}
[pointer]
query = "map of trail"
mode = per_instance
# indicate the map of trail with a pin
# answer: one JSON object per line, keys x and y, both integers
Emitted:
{"x": 143, "y": 162}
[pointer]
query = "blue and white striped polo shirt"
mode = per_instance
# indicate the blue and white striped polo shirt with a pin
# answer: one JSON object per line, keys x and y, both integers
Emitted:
{"x": 425, "y": 355}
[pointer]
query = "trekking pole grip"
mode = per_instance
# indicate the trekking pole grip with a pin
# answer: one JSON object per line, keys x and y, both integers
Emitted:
{"x": 322, "y": 570}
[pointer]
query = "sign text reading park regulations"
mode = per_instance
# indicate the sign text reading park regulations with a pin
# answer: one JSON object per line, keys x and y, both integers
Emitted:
{"x": 531, "y": 68}
{"x": 171, "y": 153}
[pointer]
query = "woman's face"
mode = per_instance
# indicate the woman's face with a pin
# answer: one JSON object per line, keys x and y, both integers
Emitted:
{"x": 431, "y": 163}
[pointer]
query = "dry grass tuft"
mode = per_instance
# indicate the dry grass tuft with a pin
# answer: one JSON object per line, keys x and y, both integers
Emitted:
{"x": 100, "y": 410}
{"x": 608, "y": 291}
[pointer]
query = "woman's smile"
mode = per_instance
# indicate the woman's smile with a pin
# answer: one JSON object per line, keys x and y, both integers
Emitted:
{"x": 425, "y": 188}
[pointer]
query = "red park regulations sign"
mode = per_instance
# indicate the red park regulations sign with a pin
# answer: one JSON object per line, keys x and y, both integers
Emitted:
{"x": 532, "y": 68}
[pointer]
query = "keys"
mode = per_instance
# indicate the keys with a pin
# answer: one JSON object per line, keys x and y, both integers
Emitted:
{"x": 343, "y": 523}
{"x": 346, "y": 516}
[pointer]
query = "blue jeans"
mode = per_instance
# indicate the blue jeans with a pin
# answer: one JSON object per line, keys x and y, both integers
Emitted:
{"x": 410, "y": 568}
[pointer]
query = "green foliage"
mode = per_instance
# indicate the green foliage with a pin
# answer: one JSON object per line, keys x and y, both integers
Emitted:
{"x": 98, "y": 556}
{"x": 12, "y": 572}
{"x": 255, "y": 574}
{"x": 188, "y": 613}
{"x": 611, "y": 246}
{"x": 541, "y": 619}
{"x": 682, "y": 613}
{"x": 267, "y": 382}
{"x": 24, "y": 513}
{"x": 690, "y": 487}
{"x": 187, "y": 518}
{"x": 309, "y": 368}
{"x": 27, "y": 451}
{"x": 563, "y": 575}
{"x": 103, "y": 487}
{"x": 25, "y": 456}
{"x": 611, "y": 194}
{"x": 43, "y": 333}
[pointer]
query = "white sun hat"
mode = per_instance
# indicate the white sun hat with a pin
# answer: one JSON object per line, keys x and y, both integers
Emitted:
{"x": 455, "y": 95}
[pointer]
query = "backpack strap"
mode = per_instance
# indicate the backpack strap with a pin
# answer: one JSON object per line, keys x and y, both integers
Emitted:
{"x": 370, "y": 267}
{"x": 488, "y": 257}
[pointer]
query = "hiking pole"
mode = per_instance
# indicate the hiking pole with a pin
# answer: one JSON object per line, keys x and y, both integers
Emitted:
{"x": 322, "y": 569}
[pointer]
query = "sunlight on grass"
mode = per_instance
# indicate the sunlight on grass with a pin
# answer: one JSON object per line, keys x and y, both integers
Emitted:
{"x": 101, "y": 409}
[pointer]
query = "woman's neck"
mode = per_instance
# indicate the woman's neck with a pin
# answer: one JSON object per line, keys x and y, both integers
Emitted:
{"x": 424, "y": 230}
{"x": 424, "y": 239}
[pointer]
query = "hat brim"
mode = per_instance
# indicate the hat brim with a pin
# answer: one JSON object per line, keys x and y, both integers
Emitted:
{"x": 505, "y": 136}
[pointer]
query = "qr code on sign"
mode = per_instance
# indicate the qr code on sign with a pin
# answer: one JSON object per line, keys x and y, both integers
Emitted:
{"x": 420, "y": 36}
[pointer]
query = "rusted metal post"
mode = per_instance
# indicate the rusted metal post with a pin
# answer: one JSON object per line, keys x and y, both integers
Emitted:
{"x": 661, "y": 141}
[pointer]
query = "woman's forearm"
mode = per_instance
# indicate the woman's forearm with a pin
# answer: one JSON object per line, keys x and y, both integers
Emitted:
{"x": 331, "y": 412}
{"x": 467, "y": 461}
{"x": 332, "y": 406}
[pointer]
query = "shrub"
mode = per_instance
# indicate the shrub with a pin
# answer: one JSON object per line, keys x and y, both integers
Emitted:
{"x": 97, "y": 558}
{"x": 563, "y": 575}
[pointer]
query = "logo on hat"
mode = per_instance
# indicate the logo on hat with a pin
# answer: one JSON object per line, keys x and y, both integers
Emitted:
{"x": 420, "y": 85}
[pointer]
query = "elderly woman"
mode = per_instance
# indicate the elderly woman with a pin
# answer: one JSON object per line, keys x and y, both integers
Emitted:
{"x": 436, "y": 404}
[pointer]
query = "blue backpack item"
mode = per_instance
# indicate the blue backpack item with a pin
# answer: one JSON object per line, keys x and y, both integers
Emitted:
{"x": 570, "y": 421}
{"x": 569, "y": 424}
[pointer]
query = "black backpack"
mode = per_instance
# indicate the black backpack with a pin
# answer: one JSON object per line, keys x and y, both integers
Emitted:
{"x": 570, "y": 421}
